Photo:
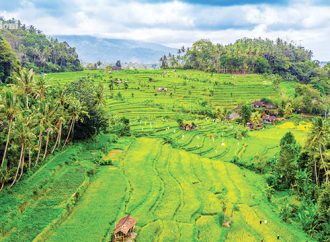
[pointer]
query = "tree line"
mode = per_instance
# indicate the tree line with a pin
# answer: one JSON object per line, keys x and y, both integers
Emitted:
{"x": 37, "y": 119}
{"x": 279, "y": 57}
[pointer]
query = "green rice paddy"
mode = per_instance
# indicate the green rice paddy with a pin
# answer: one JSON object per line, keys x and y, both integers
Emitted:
{"x": 179, "y": 185}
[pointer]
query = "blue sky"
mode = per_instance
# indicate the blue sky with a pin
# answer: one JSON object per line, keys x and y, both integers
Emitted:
{"x": 181, "y": 22}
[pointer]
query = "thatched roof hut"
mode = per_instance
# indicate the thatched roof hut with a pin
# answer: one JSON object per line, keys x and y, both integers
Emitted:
{"x": 268, "y": 119}
{"x": 124, "y": 228}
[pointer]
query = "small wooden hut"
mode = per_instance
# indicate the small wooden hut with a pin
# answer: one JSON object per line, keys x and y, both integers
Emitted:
{"x": 124, "y": 230}
{"x": 268, "y": 119}
{"x": 258, "y": 104}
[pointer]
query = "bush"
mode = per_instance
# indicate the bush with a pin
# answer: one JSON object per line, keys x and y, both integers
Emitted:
{"x": 121, "y": 127}
{"x": 89, "y": 94}
{"x": 288, "y": 211}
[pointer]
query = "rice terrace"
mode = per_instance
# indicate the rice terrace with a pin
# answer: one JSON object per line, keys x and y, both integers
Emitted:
{"x": 210, "y": 143}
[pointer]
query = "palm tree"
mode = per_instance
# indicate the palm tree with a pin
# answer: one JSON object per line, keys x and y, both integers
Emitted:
{"x": 9, "y": 110}
{"x": 41, "y": 88}
{"x": 42, "y": 117}
{"x": 255, "y": 118}
{"x": 317, "y": 144}
{"x": 288, "y": 110}
{"x": 24, "y": 137}
{"x": 25, "y": 80}
{"x": 76, "y": 112}
{"x": 60, "y": 118}
{"x": 20, "y": 133}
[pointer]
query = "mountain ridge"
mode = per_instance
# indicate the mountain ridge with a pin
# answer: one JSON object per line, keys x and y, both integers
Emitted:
{"x": 108, "y": 50}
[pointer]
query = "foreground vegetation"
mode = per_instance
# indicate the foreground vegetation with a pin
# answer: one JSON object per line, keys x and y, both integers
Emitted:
{"x": 37, "y": 120}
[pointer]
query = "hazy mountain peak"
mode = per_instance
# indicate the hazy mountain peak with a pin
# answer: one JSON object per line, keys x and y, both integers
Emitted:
{"x": 92, "y": 49}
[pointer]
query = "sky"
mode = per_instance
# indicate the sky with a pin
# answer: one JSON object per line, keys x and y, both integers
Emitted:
{"x": 181, "y": 22}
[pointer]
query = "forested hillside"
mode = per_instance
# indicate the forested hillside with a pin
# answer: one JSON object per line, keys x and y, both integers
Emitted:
{"x": 35, "y": 50}
{"x": 8, "y": 61}
{"x": 290, "y": 61}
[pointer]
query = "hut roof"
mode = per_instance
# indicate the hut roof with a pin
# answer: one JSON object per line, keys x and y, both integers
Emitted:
{"x": 272, "y": 118}
{"x": 269, "y": 117}
{"x": 125, "y": 224}
{"x": 258, "y": 103}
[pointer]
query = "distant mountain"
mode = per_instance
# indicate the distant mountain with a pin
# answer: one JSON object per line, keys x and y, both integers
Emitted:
{"x": 92, "y": 49}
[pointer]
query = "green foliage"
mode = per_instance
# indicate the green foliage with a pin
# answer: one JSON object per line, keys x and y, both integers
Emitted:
{"x": 39, "y": 52}
{"x": 286, "y": 166}
{"x": 125, "y": 127}
{"x": 91, "y": 96}
{"x": 288, "y": 211}
{"x": 246, "y": 112}
{"x": 248, "y": 56}
{"x": 8, "y": 62}
{"x": 308, "y": 100}
{"x": 37, "y": 120}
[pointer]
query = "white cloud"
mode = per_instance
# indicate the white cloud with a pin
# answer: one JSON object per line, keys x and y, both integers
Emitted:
{"x": 176, "y": 23}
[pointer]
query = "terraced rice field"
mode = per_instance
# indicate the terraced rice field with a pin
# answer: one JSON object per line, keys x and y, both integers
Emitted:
{"x": 175, "y": 195}
{"x": 179, "y": 185}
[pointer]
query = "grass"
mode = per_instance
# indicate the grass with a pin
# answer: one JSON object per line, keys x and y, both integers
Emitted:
{"x": 182, "y": 191}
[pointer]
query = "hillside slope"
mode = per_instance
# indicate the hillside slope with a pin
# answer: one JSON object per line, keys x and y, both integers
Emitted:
{"x": 36, "y": 50}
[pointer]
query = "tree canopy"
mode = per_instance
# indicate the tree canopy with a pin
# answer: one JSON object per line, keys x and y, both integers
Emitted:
{"x": 8, "y": 61}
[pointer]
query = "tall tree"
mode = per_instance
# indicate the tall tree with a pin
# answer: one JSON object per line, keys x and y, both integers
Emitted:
{"x": 318, "y": 145}
{"x": 287, "y": 164}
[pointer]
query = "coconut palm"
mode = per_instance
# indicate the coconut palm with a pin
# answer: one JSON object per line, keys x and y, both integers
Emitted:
{"x": 76, "y": 112}
{"x": 25, "y": 79}
{"x": 24, "y": 136}
{"x": 42, "y": 117}
{"x": 288, "y": 110}
{"x": 318, "y": 140}
{"x": 60, "y": 119}
{"x": 9, "y": 110}
{"x": 255, "y": 118}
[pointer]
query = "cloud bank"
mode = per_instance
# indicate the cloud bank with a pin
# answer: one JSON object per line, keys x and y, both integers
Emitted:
{"x": 177, "y": 23}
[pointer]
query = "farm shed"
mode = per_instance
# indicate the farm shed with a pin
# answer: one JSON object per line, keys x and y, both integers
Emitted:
{"x": 258, "y": 104}
{"x": 124, "y": 229}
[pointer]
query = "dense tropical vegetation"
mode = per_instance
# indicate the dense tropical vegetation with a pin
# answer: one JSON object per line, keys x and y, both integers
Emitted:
{"x": 305, "y": 172}
{"x": 288, "y": 60}
{"x": 8, "y": 62}
{"x": 37, "y": 119}
{"x": 35, "y": 50}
